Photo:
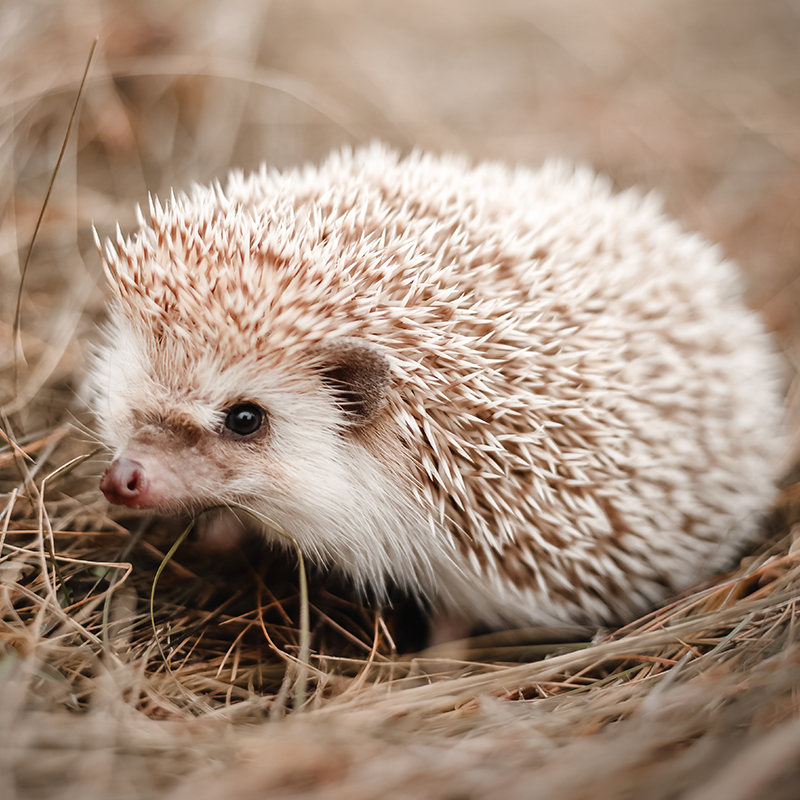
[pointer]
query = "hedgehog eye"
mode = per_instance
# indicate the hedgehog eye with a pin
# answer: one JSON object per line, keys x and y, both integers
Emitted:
{"x": 244, "y": 419}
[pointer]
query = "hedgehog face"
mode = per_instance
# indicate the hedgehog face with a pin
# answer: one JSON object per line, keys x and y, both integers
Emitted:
{"x": 291, "y": 444}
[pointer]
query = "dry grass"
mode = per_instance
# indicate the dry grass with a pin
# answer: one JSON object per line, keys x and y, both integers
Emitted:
{"x": 698, "y": 700}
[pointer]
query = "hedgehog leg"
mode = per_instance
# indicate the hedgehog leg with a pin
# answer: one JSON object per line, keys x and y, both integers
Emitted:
{"x": 447, "y": 626}
{"x": 220, "y": 532}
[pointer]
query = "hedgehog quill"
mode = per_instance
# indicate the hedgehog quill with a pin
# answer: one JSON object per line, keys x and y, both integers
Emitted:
{"x": 513, "y": 393}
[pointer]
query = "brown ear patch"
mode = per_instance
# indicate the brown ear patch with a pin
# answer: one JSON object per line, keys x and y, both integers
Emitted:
{"x": 357, "y": 373}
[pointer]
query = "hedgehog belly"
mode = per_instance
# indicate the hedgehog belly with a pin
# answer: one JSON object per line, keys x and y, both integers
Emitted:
{"x": 517, "y": 394}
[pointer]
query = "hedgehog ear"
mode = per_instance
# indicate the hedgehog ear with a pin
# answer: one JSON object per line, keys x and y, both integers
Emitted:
{"x": 357, "y": 373}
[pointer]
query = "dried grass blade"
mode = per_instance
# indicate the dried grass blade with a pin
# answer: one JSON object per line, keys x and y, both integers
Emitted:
{"x": 164, "y": 562}
{"x": 304, "y": 653}
{"x": 18, "y": 309}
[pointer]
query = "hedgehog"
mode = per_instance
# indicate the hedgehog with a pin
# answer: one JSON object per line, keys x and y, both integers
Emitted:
{"x": 518, "y": 396}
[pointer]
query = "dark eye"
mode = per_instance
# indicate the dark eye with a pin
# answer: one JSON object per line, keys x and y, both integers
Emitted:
{"x": 244, "y": 419}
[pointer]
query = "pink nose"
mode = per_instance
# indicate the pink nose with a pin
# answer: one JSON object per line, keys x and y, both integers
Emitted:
{"x": 124, "y": 483}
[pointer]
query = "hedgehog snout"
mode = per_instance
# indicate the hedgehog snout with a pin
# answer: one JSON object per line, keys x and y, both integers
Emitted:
{"x": 125, "y": 483}
{"x": 147, "y": 478}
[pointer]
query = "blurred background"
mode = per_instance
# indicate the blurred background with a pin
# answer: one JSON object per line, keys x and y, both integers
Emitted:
{"x": 699, "y": 99}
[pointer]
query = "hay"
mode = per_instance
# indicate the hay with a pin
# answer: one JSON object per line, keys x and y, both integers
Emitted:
{"x": 698, "y": 699}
